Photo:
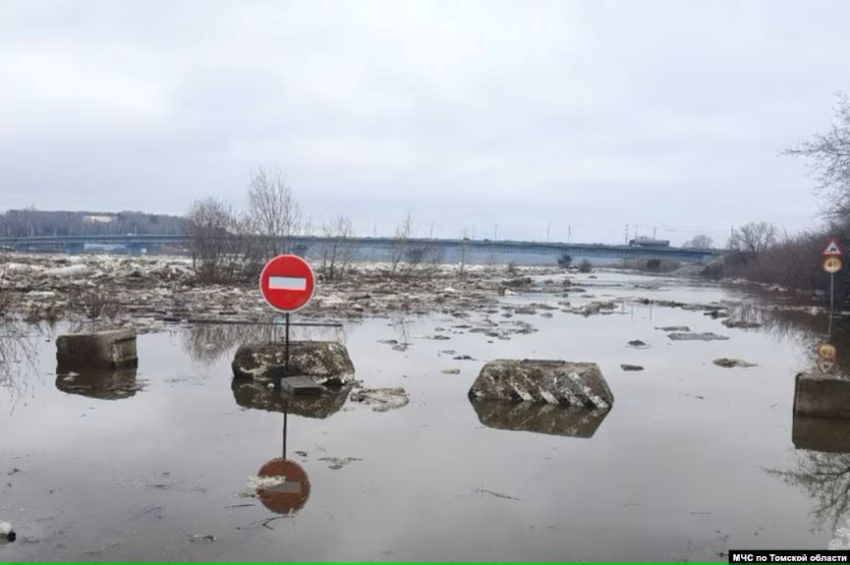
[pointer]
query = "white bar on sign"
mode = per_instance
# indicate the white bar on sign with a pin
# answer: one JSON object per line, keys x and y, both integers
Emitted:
{"x": 287, "y": 283}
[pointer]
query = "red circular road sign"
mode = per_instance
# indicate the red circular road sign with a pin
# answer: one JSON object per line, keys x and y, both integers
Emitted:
{"x": 287, "y": 283}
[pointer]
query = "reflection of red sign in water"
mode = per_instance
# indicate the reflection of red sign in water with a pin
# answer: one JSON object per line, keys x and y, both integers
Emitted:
{"x": 290, "y": 493}
{"x": 287, "y": 283}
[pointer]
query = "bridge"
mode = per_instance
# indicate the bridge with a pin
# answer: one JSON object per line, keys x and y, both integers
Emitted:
{"x": 375, "y": 248}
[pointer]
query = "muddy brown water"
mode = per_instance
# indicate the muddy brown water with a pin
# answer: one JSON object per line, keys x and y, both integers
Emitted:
{"x": 160, "y": 464}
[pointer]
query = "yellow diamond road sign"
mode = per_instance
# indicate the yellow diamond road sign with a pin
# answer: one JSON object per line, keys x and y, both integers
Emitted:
{"x": 832, "y": 264}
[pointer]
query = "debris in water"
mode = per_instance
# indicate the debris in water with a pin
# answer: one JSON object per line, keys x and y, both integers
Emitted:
{"x": 337, "y": 463}
{"x": 451, "y": 371}
{"x": 674, "y": 328}
{"x": 729, "y": 363}
{"x": 707, "y": 336}
{"x": 637, "y": 343}
{"x": 730, "y": 323}
{"x": 382, "y": 399}
{"x": 496, "y": 494}
{"x": 6, "y": 531}
{"x": 627, "y": 367}
{"x": 202, "y": 538}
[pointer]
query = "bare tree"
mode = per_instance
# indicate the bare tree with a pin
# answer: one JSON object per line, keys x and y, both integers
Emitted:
{"x": 221, "y": 250}
{"x": 699, "y": 242}
{"x": 464, "y": 238}
{"x": 336, "y": 249}
{"x": 5, "y": 284}
{"x": 829, "y": 156}
{"x": 409, "y": 257}
{"x": 273, "y": 212}
{"x": 752, "y": 239}
{"x": 401, "y": 241}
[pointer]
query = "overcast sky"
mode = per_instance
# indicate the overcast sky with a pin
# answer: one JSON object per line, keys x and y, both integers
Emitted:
{"x": 586, "y": 114}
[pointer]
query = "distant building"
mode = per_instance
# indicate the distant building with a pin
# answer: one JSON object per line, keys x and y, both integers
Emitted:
{"x": 98, "y": 219}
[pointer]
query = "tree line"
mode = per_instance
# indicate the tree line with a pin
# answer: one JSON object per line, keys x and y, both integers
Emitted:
{"x": 760, "y": 252}
{"x": 31, "y": 222}
{"x": 231, "y": 245}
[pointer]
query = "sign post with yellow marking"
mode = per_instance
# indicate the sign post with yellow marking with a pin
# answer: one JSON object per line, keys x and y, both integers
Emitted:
{"x": 832, "y": 264}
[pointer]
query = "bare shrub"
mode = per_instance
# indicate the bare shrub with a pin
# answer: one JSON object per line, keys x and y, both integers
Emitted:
{"x": 5, "y": 286}
{"x": 222, "y": 249}
{"x": 401, "y": 240}
{"x": 336, "y": 251}
{"x": 793, "y": 263}
{"x": 464, "y": 238}
{"x": 95, "y": 304}
{"x": 410, "y": 257}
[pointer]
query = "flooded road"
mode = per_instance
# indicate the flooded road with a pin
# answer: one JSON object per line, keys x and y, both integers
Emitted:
{"x": 162, "y": 463}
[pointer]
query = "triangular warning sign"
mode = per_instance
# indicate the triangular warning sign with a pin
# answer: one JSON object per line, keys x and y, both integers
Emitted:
{"x": 825, "y": 366}
{"x": 832, "y": 248}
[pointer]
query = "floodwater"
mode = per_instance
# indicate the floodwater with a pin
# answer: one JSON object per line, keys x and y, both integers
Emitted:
{"x": 161, "y": 463}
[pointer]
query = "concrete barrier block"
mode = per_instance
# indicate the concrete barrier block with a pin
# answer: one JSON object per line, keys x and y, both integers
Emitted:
{"x": 113, "y": 348}
{"x": 326, "y": 362}
{"x": 821, "y": 396}
{"x": 552, "y": 382}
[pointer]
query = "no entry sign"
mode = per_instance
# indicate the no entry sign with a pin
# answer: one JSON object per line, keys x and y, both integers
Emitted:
{"x": 287, "y": 283}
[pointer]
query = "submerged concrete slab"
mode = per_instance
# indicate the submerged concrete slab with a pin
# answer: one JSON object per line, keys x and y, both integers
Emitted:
{"x": 538, "y": 418}
{"x": 113, "y": 348}
{"x": 325, "y": 362}
{"x": 551, "y": 382}
{"x": 822, "y": 396}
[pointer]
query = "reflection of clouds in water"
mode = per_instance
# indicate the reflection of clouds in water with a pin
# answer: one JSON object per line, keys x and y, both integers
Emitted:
{"x": 826, "y": 479}
{"x": 19, "y": 358}
{"x": 208, "y": 343}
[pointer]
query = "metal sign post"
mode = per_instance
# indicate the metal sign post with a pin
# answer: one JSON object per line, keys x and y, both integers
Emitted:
{"x": 287, "y": 284}
{"x": 832, "y": 264}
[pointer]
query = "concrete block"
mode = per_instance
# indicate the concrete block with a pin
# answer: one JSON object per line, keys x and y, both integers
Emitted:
{"x": 325, "y": 362}
{"x": 821, "y": 396}
{"x": 552, "y": 382}
{"x": 113, "y": 348}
